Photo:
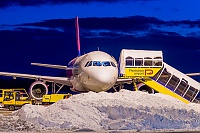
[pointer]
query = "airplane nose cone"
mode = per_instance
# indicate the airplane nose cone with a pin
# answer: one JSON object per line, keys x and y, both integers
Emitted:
{"x": 99, "y": 79}
{"x": 106, "y": 79}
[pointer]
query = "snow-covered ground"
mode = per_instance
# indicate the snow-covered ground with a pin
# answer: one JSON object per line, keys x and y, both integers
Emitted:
{"x": 124, "y": 110}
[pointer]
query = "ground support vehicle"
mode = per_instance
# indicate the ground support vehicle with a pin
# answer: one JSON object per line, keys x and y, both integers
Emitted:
{"x": 14, "y": 99}
{"x": 150, "y": 73}
{"x": 52, "y": 98}
{"x": 22, "y": 91}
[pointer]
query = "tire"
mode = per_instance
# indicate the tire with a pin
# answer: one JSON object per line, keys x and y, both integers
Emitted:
{"x": 11, "y": 107}
{"x": 144, "y": 90}
{"x": 45, "y": 103}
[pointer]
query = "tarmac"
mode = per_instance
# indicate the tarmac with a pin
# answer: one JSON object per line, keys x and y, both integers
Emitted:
{"x": 5, "y": 111}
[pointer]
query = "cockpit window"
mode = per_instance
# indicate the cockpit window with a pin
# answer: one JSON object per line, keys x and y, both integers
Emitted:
{"x": 86, "y": 64}
{"x": 106, "y": 63}
{"x": 89, "y": 64}
{"x": 113, "y": 64}
{"x": 100, "y": 63}
{"x": 97, "y": 63}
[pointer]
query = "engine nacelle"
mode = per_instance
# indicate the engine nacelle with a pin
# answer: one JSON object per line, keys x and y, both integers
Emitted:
{"x": 145, "y": 88}
{"x": 38, "y": 89}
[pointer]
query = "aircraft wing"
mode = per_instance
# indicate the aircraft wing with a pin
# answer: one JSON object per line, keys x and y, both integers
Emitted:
{"x": 123, "y": 81}
{"x": 60, "y": 80}
{"x": 50, "y": 65}
{"x": 193, "y": 74}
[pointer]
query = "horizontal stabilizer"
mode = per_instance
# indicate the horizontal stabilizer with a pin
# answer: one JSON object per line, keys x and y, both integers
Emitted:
{"x": 50, "y": 65}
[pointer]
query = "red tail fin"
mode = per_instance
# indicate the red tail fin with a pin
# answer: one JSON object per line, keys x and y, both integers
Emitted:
{"x": 77, "y": 37}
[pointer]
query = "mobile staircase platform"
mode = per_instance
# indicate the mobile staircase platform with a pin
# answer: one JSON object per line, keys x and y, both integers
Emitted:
{"x": 147, "y": 67}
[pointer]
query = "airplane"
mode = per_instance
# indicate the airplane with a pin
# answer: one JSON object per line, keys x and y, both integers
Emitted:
{"x": 95, "y": 71}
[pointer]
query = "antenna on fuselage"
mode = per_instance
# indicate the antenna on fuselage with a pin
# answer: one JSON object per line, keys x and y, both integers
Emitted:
{"x": 77, "y": 36}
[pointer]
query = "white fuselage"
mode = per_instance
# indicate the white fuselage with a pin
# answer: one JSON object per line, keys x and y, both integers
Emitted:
{"x": 96, "y": 71}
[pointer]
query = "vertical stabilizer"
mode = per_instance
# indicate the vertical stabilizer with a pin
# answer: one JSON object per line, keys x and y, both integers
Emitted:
{"x": 77, "y": 37}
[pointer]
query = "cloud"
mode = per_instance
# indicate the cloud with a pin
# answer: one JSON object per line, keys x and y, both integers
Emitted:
{"x": 54, "y": 41}
{"x": 7, "y": 3}
{"x": 125, "y": 25}
{"x": 122, "y": 24}
{"x": 126, "y": 29}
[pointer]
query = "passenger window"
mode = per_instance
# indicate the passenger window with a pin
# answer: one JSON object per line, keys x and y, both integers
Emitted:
{"x": 157, "y": 61}
{"x": 173, "y": 82}
{"x": 191, "y": 93}
{"x": 164, "y": 77}
{"x": 138, "y": 62}
{"x": 182, "y": 87}
{"x": 147, "y": 61}
{"x": 129, "y": 61}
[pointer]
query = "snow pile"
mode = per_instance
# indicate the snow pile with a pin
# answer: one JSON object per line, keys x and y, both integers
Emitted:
{"x": 124, "y": 110}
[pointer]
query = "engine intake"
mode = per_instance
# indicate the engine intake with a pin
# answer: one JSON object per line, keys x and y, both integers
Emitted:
{"x": 38, "y": 89}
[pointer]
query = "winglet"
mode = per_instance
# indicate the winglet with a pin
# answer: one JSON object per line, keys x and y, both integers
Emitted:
{"x": 77, "y": 36}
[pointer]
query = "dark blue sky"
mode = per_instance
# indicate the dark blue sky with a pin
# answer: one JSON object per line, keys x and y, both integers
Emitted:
{"x": 44, "y": 31}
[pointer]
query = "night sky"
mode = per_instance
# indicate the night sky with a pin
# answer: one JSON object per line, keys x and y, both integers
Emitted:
{"x": 44, "y": 31}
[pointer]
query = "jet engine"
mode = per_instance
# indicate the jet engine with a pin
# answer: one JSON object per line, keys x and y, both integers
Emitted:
{"x": 145, "y": 88}
{"x": 38, "y": 89}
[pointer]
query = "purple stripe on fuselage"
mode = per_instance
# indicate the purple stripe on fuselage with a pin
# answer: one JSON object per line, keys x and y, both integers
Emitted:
{"x": 69, "y": 73}
{"x": 71, "y": 63}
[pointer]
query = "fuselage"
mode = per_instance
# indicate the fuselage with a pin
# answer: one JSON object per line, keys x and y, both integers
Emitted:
{"x": 95, "y": 71}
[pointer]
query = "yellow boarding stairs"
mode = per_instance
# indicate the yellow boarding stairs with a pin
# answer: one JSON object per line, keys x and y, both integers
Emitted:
{"x": 148, "y": 67}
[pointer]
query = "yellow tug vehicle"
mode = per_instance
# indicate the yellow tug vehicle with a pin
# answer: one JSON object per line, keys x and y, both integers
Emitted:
{"x": 52, "y": 98}
{"x": 13, "y": 99}
{"x": 17, "y": 97}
